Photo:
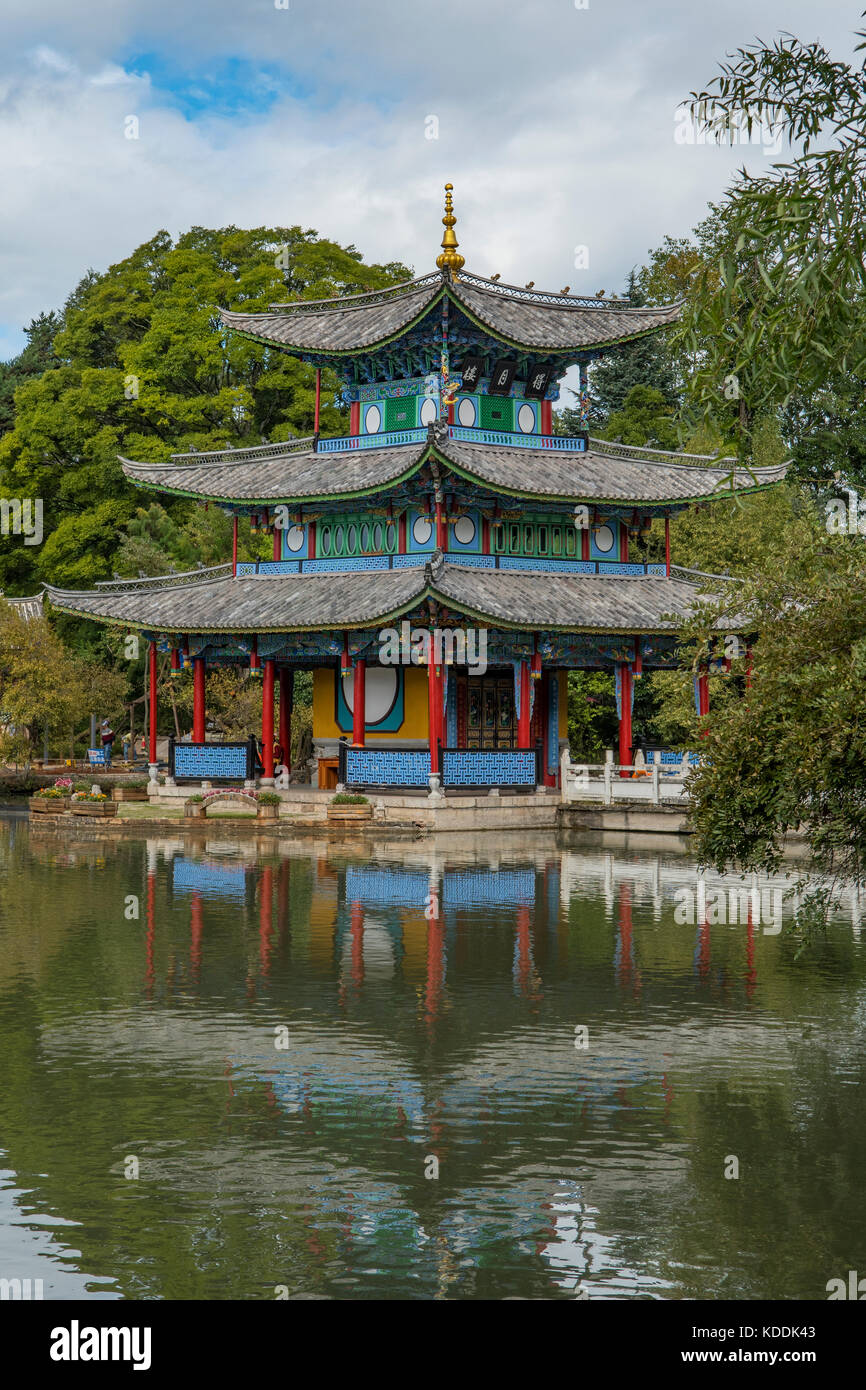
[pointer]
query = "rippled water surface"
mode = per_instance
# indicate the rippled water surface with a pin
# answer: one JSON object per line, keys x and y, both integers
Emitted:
{"x": 288, "y": 1041}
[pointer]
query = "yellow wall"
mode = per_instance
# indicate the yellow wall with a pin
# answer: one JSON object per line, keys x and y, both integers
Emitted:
{"x": 414, "y": 710}
{"x": 415, "y": 707}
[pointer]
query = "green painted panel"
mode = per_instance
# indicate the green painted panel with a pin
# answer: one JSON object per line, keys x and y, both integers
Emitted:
{"x": 496, "y": 413}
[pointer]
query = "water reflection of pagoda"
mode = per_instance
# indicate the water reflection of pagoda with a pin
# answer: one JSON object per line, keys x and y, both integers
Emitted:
{"x": 451, "y": 506}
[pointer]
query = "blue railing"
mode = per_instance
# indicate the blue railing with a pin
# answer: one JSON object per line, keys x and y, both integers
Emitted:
{"x": 351, "y": 443}
{"x": 469, "y": 559}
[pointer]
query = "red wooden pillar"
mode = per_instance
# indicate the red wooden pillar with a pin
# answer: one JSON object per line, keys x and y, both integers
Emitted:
{"x": 523, "y": 740}
{"x": 278, "y": 542}
{"x": 355, "y": 417}
{"x": 704, "y": 692}
{"x": 268, "y": 719}
{"x": 625, "y": 717}
{"x": 584, "y": 543}
{"x": 441, "y": 529}
{"x": 668, "y": 546}
{"x": 359, "y": 704}
{"x": 151, "y": 656}
{"x": 287, "y": 684}
{"x": 234, "y": 545}
{"x": 623, "y": 541}
{"x": 547, "y": 417}
{"x": 434, "y": 706}
{"x": 318, "y": 400}
{"x": 198, "y": 715}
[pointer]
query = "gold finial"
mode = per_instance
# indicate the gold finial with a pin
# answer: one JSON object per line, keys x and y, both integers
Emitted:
{"x": 450, "y": 259}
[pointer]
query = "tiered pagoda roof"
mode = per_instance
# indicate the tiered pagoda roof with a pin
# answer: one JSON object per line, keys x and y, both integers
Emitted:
{"x": 522, "y": 599}
{"x": 520, "y": 318}
{"x": 605, "y": 473}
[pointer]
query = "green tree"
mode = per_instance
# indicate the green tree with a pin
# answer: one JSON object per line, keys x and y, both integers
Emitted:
{"x": 780, "y": 315}
{"x": 144, "y": 368}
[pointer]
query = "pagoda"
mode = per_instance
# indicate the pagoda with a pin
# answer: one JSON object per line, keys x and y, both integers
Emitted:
{"x": 442, "y": 567}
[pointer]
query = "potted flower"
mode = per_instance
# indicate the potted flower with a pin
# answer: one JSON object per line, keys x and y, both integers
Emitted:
{"x": 92, "y": 804}
{"x": 51, "y": 799}
{"x": 347, "y": 806}
{"x": 268, "y": 805}
{"x": 193, "y": 807}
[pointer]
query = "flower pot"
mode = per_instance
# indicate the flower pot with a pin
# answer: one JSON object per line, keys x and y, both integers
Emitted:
{"x": 350, "y": 813}
{"x": 193, "y": 810}
{"x": 268, "y": 812}
{"x": 52, "y": 804}
{"x": 130, "y": 794}
{"x": 103, "y": 809}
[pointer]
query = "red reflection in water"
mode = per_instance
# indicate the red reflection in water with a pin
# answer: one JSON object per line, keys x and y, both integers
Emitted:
{"x": 196, "y": 927}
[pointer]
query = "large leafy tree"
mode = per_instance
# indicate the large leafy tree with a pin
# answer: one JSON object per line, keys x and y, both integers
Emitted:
{"x": 143, "y": 367}
{"x": 777, "y": 318}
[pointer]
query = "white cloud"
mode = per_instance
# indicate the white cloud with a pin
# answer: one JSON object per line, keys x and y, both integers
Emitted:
{"x": 555, "y": 126}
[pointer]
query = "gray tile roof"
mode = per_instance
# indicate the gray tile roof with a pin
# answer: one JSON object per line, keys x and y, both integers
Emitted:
{"x": 555, "y": 323}
{"x": 258, "y": 475}
{"x": 600, "y": 477}
{"x": 286, "y": 603}
{"x": 537, "y": 321}
{"x": 280, "y": 477}
{"x": 338, "y": 325}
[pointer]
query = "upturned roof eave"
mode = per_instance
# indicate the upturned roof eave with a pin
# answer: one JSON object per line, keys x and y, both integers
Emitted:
{"x": 686, "y": 595}
{"x": 462, "y": 470}
{"x": 450, "y": 291}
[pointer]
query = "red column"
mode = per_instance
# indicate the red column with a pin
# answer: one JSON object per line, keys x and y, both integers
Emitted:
{"x": 355, "y": 418}
{"x": 584, "y": 543}
{"x": 623, "y": 541}
{"x": 704, "y": 692}
{"x": 234, "y": 545}
{"x": 401, "y": 534}
{"x": 198, "y": 734}
{"x": 441, "y": 529}
{"x": 268, "y": 718}
{"x": 287, "y": 681}
{"x": 434, "y": 707}
{"x": 485, "y": 536}
{"x": 547, "y": 417}
{"x": 318, "y": 400}
{"x": 153, "y": 711}
{"x": 523, "y": 720}
{"x": 278, "y": 543}
{"x": 625, "y": 718}
{"x": 359, "y": 704}
{"x": 668, "y": 546}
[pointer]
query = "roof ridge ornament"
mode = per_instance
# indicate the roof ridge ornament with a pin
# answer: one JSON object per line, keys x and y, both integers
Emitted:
{"x": 450, "y": 260}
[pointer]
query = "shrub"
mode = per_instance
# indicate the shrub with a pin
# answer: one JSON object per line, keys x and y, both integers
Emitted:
{"x": 349, "y": 799}
{"x": 268, "y": 799}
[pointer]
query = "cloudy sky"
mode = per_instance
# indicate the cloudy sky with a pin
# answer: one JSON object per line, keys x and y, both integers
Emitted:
{"x": 554, "y": 119}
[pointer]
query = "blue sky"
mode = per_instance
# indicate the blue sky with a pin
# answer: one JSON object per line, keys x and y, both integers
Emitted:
{"x": 555, "y": 124}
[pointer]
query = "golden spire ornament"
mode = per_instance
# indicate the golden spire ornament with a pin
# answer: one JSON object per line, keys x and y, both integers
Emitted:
{"x": 450, "y": 259}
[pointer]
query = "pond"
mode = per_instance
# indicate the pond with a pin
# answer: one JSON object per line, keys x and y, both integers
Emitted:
{"x": 481, "y": 1068}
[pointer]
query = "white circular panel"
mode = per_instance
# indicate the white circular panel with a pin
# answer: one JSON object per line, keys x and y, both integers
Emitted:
{"x": 380, "y": 692}
{"x": 373, "y": 419}
{"x": 464, "y": 530}
{"x": 429, "y": 411}
{"x": 603, "y": 537}
{"x": 526, "y": 419}
{"x": 422, "y": 530}
{"x": 466, "y": 414}
{"x": 295, "y": 538}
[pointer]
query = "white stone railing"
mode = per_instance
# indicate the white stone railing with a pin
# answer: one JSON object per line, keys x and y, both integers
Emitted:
{"x": 608, "y": 782}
